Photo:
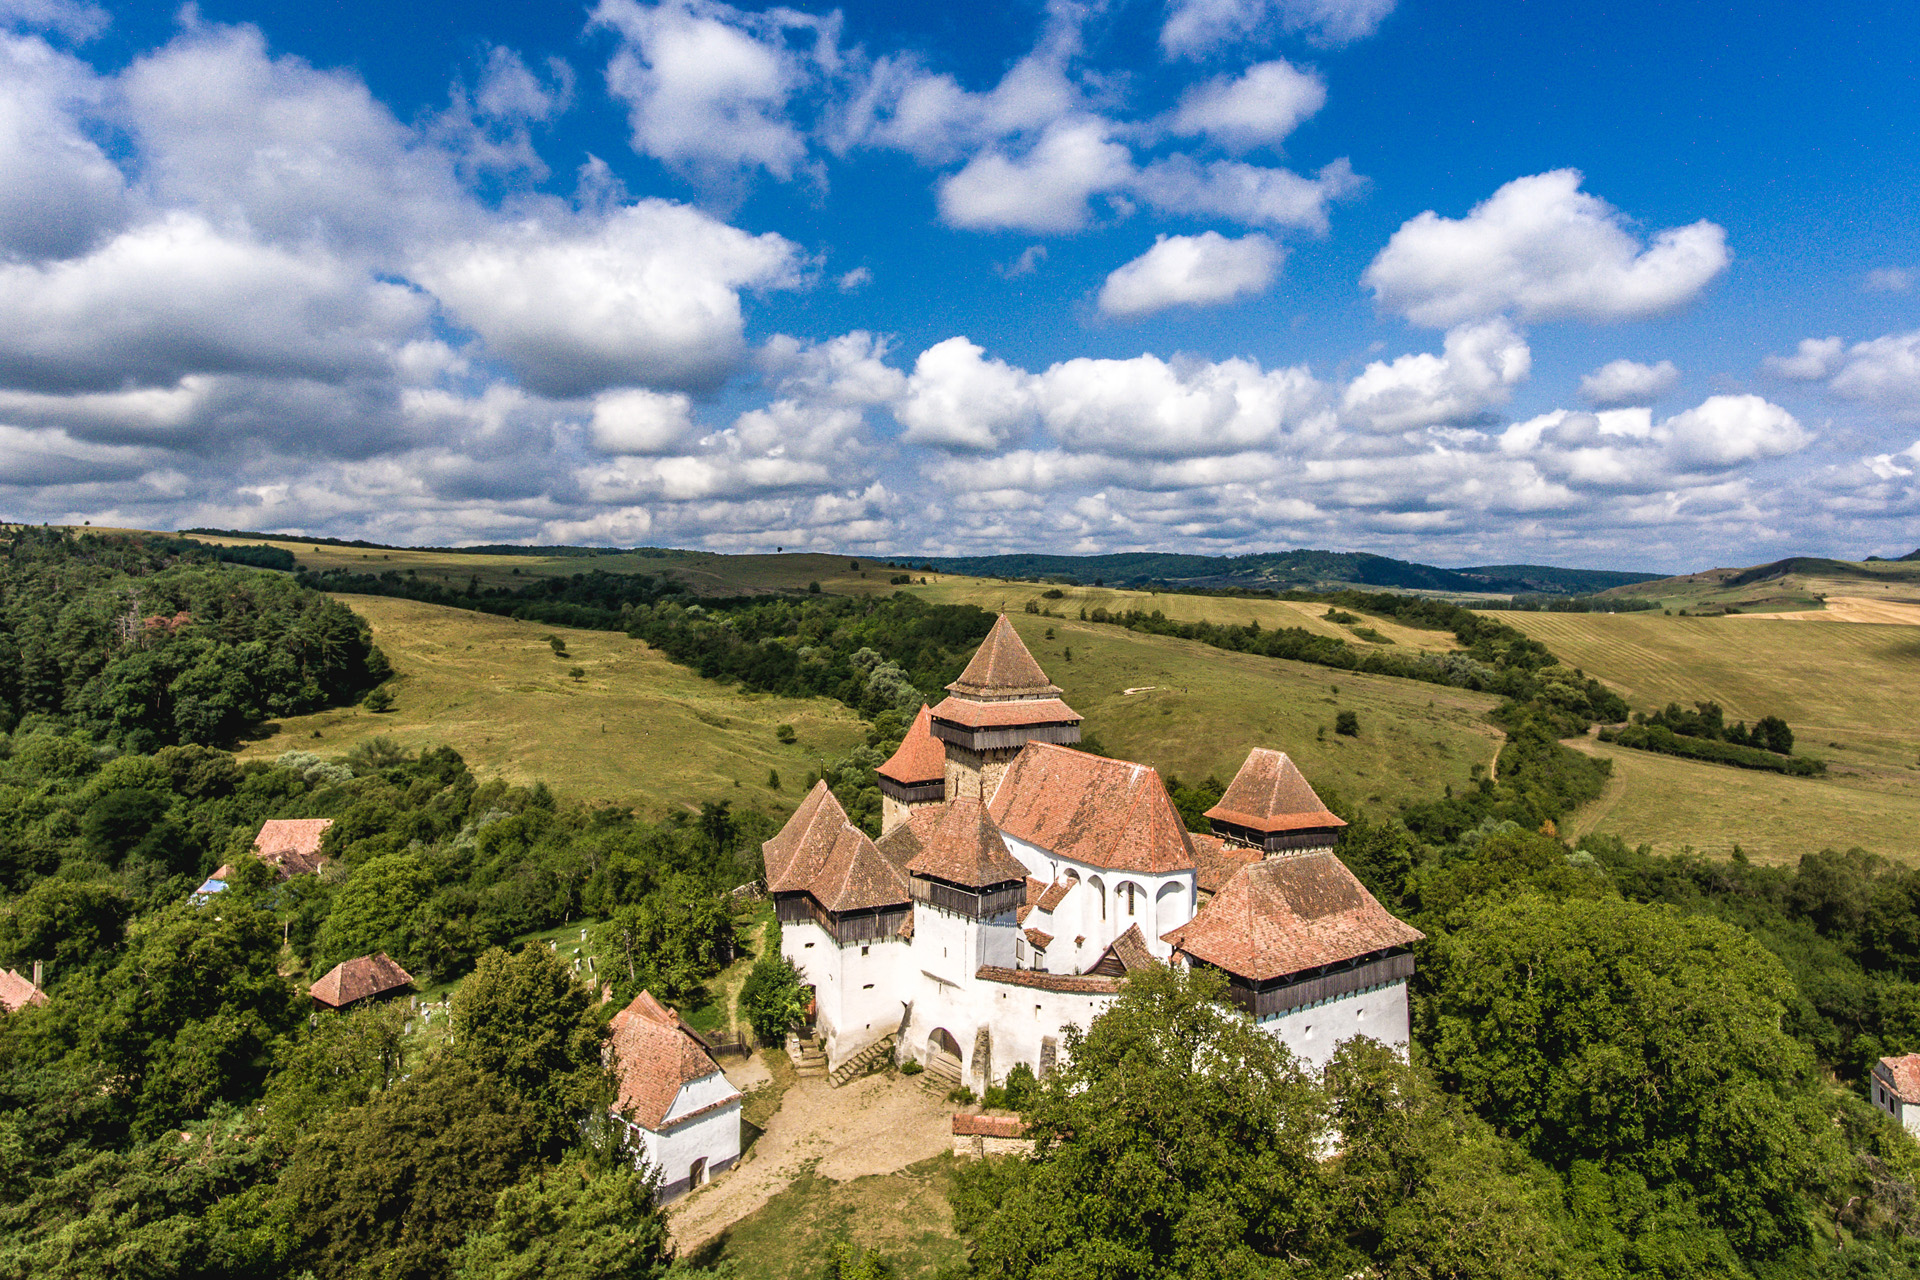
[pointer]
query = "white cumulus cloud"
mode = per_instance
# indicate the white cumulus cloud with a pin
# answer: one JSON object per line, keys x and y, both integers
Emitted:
{"x": 1046, "y": 189}
{"x": 1257, "y": 108}
{"x": 1621, "y": 382}
{"x": 1148, "y": 407}
{"x": 1196, "y": 28}
{"x": 1191, "y": 271}
{"x": 958, "y": 399}
{"x": 635, "y": 420}
{"x": 649, "y": 295}
{"x": 1540, "y": 248}
{"x": 1478, "y": 368}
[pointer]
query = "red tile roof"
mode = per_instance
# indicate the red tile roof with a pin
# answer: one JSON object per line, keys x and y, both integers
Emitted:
{"x": 1124, "y": 954}
{"x": 1096, "y": 811}
{"x": 654, "y": 1057}
{"x": 1055, "y": 892}
{"x": 966, "y": 1126}
{"x": 291, "y": 845}
{"x": 1003, "y": 668}
{"x": 1270, "y": 794}
{"x": 1005, "y": 715}
{"x": 1038, "y": 939}
{"x": 1072, "y": 983}
{"x": 1286, "y": 915}
{"x": 1215, "y": 861}
{"x": 351, "y": 981}
{"x": 959, "y": 844}
{"x": 821, "y": 853}
{"x": 18, "y": 991}
{"x": 1902, "y": 1075}
{"x": 921, "y": 757}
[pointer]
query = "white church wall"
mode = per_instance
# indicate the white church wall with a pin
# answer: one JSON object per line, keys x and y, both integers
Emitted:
{"x": 856, "y": 988}
{"x": 1096, "y": 909}
{"x": 1018, "y": 1020}
{"x": 1313, "y": 1032}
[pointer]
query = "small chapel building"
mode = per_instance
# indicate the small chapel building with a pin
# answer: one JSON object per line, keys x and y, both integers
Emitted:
{"x": 1017, "y": 881}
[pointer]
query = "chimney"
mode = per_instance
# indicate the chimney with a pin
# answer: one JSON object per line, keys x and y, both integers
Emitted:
{"x": 36, "y": 973}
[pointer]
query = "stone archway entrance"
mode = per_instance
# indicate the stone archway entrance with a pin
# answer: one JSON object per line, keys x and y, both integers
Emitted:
{"x": 943, "y": 1057}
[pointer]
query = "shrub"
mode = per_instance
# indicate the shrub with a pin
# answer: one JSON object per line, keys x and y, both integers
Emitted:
{"x": 785, "y": 734}
{"x": 1347, "y": 723}
{"x": 771, "y": 999}
{"x": 378, "y": 700}
{"x": 911, "y": 1068}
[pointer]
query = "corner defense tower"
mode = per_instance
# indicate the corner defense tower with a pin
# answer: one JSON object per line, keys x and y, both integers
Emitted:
{"x": 1000, "y": 703}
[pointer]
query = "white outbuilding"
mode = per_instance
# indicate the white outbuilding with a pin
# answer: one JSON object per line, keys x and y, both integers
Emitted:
{"x": 1896, "y": 1089}
{"x": 677, "y": 1105}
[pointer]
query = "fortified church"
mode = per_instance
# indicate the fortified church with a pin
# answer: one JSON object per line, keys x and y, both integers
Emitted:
{"x": 1017, "y": 881}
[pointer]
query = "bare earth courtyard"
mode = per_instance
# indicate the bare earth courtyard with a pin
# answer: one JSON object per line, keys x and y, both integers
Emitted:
{"x": 877, "y": 1124}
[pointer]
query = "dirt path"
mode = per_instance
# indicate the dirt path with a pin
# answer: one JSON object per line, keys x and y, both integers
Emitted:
{"x": 879, "y": 1124}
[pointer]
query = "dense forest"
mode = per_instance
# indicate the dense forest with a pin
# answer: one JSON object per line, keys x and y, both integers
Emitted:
{"x": 145, "y": 641}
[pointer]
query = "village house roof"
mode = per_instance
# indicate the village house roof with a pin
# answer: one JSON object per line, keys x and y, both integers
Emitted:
{"x": 17, "y": 992}
{"x": 819, "y": 852}
{"x": 1215, "y": 861}
{"x": 1287, "y": 915}
{"x": 1039, "y": 939}
{"x": 1901, "y": 1077}
{"x": 959, "y": 844}
{"x": 291, "y": 845}
{"x": 1002, "y": 667}
{"x": 654, "y": 1057}
{"x": 1096, "y": 811}
{"x": 921, "y": 757}
{"x": 352, "y": 981}
{"x": 1270, "y": 794}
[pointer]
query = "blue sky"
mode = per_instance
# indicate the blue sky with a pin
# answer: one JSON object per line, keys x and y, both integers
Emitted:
{"x": 1624, "y": 285}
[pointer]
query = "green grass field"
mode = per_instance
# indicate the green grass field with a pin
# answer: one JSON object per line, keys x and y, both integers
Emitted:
{"x": 1806, "y": 587}
{"x": 1198, "y": 711}
{"x": 902, "y": 1216}
{"x": 1673, "y": 804}
{"x": 636, "y": 730}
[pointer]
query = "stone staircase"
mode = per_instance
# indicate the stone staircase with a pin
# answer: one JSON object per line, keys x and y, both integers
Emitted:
{"x": 942, "y": 1073}
{"x": 812, "y": 1062}
{"x": 877, "y": 1056}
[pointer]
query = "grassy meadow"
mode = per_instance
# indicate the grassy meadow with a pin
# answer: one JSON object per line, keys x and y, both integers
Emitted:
{"x": 1814, "y": 585}
{"x": 636, "y": 729}
{"x": 1197, "y": 710}
{"x": 903, "y": 1216}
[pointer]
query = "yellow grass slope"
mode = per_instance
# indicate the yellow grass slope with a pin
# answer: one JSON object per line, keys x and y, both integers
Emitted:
{"x": 636, "y": 729}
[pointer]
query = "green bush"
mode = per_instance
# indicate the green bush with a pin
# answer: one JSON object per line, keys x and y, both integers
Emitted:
{"x": 1347, "y": 723}
{"x": 1655, "y": 737}
{"x": 771, "y": 999}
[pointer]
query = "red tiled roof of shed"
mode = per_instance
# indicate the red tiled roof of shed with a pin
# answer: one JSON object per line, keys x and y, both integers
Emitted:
{"x": 1096, "y": 811}
{"x": 291, "y": 845}
{"x": 1003, "y": 667}
{"x": 921, "y": 757}
{"x": 1270, "y": 794}
{"x": 18, "y": 991}
{"x": 654, "y": 1057}
{"x": 969, "y": 1126}
{"x": 1287, "y": 915}
{"x": 959, "y": 844}
{"x": 1902, "y": 1077}
{"x": 355, "y": 980}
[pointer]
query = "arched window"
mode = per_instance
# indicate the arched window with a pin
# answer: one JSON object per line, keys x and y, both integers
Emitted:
{"x": 1099, "y": 892}
{"x": 1130, "y": 892}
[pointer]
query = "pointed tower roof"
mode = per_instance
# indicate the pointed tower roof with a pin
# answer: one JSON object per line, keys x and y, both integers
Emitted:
{"x": 1096, "y": 811}
{"x": 1287, "y": 915}
{"x": 921, "y": 758}
{"x": 1002, "y": 668}
{"x": 958, "y": 843}
{"x": 1270, "y": 794}
{"x": 805, "y": 841}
